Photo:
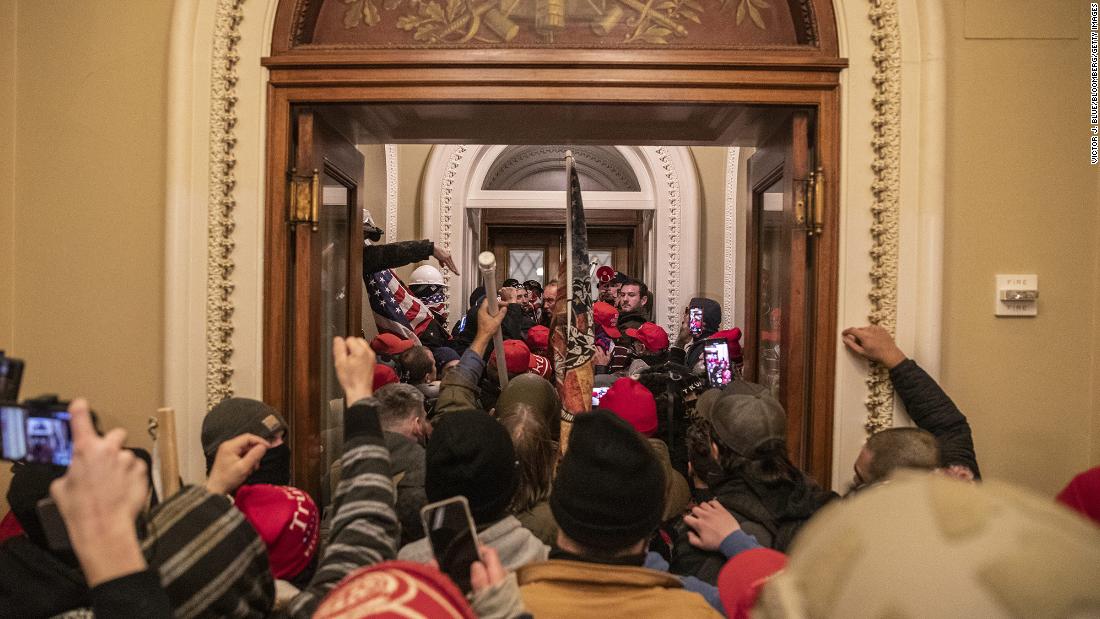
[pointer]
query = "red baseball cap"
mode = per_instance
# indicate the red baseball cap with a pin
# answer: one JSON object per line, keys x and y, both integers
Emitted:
{"x": 540, "y": 365}
{"x": 653, "y": 336}
{"x": 394, "y": 589}
{"x": 733, "y": 338}
{"x": 605, "y": 274}
{"x": 630, "y": 400}
{"x": 607, "y": 317}
{"x": 538, "y": 337}
{"x": 744, "y": 576}
{"x": 390, "y": 344}
{"x": 517, "y": 357}
{"x": 288, "y": 522}
{"x": 383, "y": 375}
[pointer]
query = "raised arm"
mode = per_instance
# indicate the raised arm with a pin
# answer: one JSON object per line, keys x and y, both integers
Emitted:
{"x": 925, "y": 401}
{"x": 364, "y": 525}
{"x": 458, "y": 390}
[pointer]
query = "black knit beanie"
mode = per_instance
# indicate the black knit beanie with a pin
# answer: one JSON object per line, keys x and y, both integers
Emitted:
{"x": 470, "y": 454}
{"x": 609, "y": 492}
{"x": 236, "y": 416}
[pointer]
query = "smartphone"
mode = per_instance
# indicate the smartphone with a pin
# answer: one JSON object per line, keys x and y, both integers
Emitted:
{"x": 716, "y": 356}
{"x": 695, "y": 320}
{"x": 462, "y": 325}
{"x": 11, "y": 377}
{"x": 35, "y": 434}
{"x": 453, "y": 538}
{"x": 598, "y": 394}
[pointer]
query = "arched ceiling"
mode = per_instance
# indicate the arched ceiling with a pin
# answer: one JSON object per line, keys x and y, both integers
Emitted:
{"x": 539, "y": 168}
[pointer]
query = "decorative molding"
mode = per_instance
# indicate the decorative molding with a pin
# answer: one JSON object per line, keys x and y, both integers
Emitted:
{"x": 446, "y": 207}
{"x": 729, "y": 240}
{"x": 809, "y": 21}
{"x": 886, "y": 188}
{"x": 672, "y": 296}
{"x": 221, "y": 203}
{"x": 391, "y": 189}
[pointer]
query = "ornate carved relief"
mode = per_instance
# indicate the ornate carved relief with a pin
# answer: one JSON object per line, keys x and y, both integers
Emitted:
{"x": 695, "y": 24}
{"x": 729, "y": 240}
{"x": 391, "y": 189}
{"x": 886, "y": 188}
{"x": 672, "y": 186}
{"x": 220, "y": 223}
{"x": 446, "y": 206}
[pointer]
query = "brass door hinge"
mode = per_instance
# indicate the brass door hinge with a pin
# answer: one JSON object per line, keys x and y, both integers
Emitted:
{"x": 815, "y": 193}
{"x": 305, "y": 198}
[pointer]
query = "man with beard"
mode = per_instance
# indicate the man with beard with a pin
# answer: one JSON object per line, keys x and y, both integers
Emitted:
{"x": 633, "y": 304}
{"x": 549, "y": 298}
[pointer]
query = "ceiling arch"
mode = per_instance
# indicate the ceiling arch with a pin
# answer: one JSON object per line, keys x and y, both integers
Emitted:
{"x": 539, "y": 168}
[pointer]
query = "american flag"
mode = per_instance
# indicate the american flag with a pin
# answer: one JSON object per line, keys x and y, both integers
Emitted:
{"x": 396, "y": 310}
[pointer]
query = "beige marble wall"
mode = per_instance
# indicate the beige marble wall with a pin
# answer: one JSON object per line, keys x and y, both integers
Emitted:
{"x": 1022, "y": 198}
{"x": 82, "y": 140}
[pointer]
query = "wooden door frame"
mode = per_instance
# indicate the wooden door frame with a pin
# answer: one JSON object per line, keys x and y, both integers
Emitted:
{"x": 567, "y": 76}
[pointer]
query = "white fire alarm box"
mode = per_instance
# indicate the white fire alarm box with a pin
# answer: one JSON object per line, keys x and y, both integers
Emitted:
{"x": 1017, "y": 295}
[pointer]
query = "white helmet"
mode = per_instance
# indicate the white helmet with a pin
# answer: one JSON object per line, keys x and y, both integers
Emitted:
{"x": 426, "y": 274}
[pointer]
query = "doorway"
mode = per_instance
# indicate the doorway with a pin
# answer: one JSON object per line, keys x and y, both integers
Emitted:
{"x": 529, "y": 243}
{"x": 710, "y": 95}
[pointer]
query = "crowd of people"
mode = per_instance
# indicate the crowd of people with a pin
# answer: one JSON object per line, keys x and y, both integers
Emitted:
{"x": 675, "y": 496}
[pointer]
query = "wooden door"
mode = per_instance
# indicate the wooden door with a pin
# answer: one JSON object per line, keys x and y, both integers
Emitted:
{"x": 325, "y": 282}
{"x": 779, "y": 335}
{"x": 526, "y": 253}
{"x": 615, "y": 236}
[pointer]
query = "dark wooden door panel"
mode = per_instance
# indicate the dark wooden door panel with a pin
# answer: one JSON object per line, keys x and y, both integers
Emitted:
{"x": 780, "y": 282}
{"x": 326, "y": 283}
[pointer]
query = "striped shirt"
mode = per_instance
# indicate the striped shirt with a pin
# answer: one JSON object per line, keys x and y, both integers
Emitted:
{"x": 364, "y": 524}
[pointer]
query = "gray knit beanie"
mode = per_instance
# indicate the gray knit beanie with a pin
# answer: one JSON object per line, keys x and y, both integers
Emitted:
{"x": 236, "y": 416}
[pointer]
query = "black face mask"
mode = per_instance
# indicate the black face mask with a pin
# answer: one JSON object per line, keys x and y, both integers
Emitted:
{"x": 274, "y": 467}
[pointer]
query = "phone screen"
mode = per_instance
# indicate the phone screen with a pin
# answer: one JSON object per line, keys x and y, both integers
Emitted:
{"x": 598, "y": 394}
{"x": 717, "y": 358}
{"x": 35, "y": 435}
{"x": 695, "y": 320}
{"x": 450, "y": 530}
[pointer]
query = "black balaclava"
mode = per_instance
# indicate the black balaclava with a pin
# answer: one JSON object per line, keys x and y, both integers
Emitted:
{"x": 274, "y": 468}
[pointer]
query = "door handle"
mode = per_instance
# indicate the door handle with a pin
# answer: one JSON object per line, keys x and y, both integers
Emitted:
{"x": 305, "y": 198}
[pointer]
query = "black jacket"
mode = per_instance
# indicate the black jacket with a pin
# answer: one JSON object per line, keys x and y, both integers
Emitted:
{"x": 773, "y": 515}
{"x": 36, "y": 583}
{"x": 392, "y": 255}
{"x": 932, "y": 410}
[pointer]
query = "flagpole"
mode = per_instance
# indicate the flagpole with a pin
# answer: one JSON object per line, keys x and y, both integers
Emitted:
{"x": 487, "y": 263}
{"x": 569, "y": 163}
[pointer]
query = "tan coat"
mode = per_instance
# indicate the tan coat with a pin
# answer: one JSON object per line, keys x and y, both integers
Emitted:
{"x": 574, "y": 590}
